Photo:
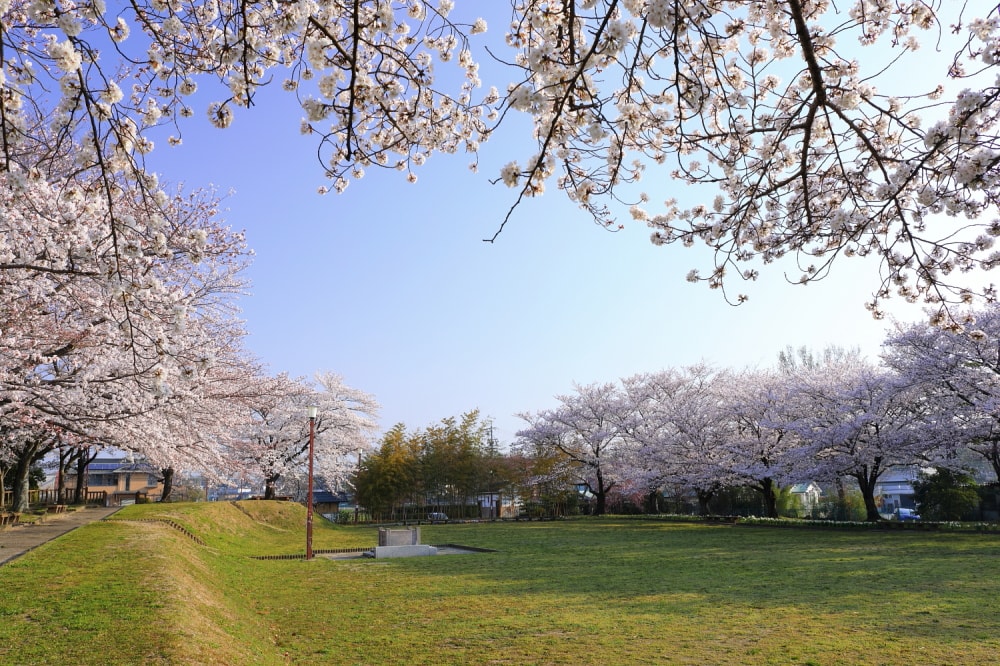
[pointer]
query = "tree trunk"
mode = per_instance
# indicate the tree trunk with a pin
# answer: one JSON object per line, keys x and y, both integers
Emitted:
{"x": 270, "y": 486}
{"x": 601, "y": 494}
{"x": 866, "y": 482}
{"x": 841, "y": 512}
{"x": 81, "y": 478}
{"x": 768, "y": 492}
{"x": 83, "y": 460}
{"x": 993, "y": 456}
{"x": 168, "y": 483}
{"x": 600, "y": 502}
{"x": 80, "y": 491}
{"x": 871, "y": 509}
{"x": 65, "y": 460}
{"x": 704, "y": 497}
{"x": 22, "y": 474}
{"x": 653, "y": 502}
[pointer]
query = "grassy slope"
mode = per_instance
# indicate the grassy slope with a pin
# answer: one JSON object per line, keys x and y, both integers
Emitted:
{"x": 124, "y": 592}
{"x": 577, "y": 592}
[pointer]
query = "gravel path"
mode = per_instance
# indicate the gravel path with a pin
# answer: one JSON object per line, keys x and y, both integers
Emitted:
{"x": 18, "y": 540}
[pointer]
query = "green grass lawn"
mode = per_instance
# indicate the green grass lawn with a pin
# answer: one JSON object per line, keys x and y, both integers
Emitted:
{"x": 577, "y": 592}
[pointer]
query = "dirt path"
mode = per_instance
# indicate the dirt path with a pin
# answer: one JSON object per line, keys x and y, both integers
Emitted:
{"x": 18, "y": 540}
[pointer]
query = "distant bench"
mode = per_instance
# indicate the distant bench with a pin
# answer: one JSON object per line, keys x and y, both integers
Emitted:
{"x": 9, "y": 519}
{"x": 55, "y": 508}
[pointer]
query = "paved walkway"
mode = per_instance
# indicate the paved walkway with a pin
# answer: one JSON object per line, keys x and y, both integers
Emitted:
{"x": 18, "y": 540}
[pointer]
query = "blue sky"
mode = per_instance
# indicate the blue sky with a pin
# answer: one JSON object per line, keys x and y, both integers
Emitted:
{"x": 391, "y": 285}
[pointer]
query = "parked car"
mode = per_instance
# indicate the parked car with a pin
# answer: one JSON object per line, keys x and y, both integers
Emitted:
{"x": 906, "y": 514}
{"x": 436, "y": 517}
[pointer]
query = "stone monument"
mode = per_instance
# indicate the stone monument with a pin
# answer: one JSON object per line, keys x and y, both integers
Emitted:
{"x": 401, "y": 543}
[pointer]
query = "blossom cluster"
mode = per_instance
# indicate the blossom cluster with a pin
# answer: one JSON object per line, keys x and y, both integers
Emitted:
{"x": 773, "y": 111}
{"x": 110, "y": 321}
{"x": 365, "y": 74}
{"x": 271, "y": 444}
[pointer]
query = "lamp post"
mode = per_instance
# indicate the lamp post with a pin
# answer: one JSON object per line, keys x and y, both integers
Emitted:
{"x": 356, "y": 491}
{"x": 313, "y": 409}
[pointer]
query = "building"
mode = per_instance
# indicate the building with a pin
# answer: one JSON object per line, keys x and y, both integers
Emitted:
{"x": 894, "y": 490}
{"x": 329, "y": 503}
{"x": 124, "y": 480}
{"x": 807, "y": 497}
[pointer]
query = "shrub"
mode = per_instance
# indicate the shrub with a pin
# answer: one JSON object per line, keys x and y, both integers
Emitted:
{"x": 946, "y": 494}
{"x": 851, "y": 507}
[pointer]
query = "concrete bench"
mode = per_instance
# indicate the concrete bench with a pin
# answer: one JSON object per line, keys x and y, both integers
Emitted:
{"x": 56, "y": 508}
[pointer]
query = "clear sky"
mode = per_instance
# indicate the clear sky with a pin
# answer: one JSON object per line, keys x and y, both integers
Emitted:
{"x": 391, "y": 285}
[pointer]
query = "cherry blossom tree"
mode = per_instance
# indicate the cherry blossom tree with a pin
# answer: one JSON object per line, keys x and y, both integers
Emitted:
{"x": 23, "y": 446}
{"x": 763, "y": 452}
{"x": 87, "y": 91}
{"x": 542, "y": 475}
{"x": 958, "y": 370}
{"x": 190, "y": 431}
{"x": 861, "y": 421}
{"x": 67, "y": 288}
{"x": 97, "y": 328}
{"x": 680, "y": 428}
{"x": 799, "y": 122}
{"x": 276, "y": 442}
{"x": 587, "y": 427}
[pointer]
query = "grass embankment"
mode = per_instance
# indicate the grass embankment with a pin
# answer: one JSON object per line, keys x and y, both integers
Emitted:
{"x": 581, "y": 592}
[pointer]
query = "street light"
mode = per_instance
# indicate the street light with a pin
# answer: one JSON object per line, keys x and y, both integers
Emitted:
{"x": 313, "y": 409}
{"x": 356, "y": 491}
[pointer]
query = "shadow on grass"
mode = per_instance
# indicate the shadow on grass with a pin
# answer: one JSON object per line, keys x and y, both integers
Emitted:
{"x": 935, "y": 586}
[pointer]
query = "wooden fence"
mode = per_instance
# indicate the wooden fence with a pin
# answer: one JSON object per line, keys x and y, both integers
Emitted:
{"x": 46, "y": 497}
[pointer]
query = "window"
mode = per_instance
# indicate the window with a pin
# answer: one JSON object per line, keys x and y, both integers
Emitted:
{"x": 96, "y": 480}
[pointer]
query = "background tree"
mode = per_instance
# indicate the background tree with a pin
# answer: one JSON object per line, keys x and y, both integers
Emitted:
{"x": 945, "y": 494}
{"x": 454, "y": 460}
{"x": 504, "y": 472}
{"x": 764, "y": 451}
{"x": 859, "y": 421}
{"x": 543, "y": 475}
{"x": 957, "y": 369}
{"x": 74, "y": 460}
{"x": 26, "y": 447}
{"x": 445, "y": 466}
{"x": 587, "y": 428}
{"x": 680, "y": 426}
{"x": 388, "y": 477}
{"x": 804, "y": 359}
{"x": 277, "y": 440}
{"x": 24, "y": 472}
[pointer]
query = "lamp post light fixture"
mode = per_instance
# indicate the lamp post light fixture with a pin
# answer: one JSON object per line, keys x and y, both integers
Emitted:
{"x": 313, "y": 409}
